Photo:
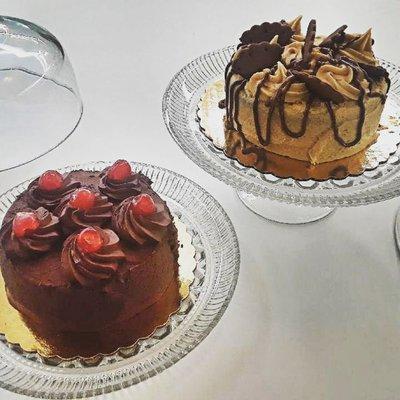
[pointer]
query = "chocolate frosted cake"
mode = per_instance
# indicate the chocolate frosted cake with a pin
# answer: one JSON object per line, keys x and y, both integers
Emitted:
{"x": 85, "y": 250}
{"x": 307, "y": 97}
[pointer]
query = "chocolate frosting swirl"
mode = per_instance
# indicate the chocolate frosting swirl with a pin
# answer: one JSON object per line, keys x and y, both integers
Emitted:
{"x": 36, "y": 243}
{"x": 141, "y": 229}
{"x": 92, "y": 269}
{"x": 72, "y": 219}
{"x": 37, "y": 197}
{"x": 118, "y": 191}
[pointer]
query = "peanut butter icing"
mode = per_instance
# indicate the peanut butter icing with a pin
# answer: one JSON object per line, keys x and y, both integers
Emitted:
{"x": 360, "y": 49}
{"x": 292, "y": 51}
{"x": 339, "y": 77}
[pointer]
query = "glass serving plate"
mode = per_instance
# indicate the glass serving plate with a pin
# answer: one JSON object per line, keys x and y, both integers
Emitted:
{"x": 274, "y": 198}
{"x": 217, "y": 267}
{"x": 39, "y": 98}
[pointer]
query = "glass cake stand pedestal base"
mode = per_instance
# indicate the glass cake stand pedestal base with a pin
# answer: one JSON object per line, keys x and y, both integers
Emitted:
{"x": 281, "y": 212}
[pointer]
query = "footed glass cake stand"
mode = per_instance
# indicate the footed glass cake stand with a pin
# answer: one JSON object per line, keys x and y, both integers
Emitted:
{"x": 39, "y": 98}
{"x": 284, "y": 200}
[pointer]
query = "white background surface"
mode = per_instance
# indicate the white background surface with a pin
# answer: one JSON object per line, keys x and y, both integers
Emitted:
{"x": 316, "y": 313}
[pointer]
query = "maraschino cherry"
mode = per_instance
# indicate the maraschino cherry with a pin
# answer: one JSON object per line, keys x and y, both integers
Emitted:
{"x": 89, "y": 240}
{"x": 120, "y": 171}
{"x": 82, "y": 199}
{"x": 143, "y": 205}
{"x": 50, "y": 180}
{"x": 25, "y": 223}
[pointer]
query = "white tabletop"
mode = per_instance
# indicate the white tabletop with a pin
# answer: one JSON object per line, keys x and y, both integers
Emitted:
{"x": 316, "y": 313}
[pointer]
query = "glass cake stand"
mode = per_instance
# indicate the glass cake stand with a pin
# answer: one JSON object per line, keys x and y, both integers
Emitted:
{"x": 215, "y": 275}
{"x": 285, "y": 200}
{"x": 39, "y": 98}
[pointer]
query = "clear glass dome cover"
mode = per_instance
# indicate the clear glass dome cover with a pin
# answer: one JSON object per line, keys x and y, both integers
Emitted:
{"x": 40, "y": 105}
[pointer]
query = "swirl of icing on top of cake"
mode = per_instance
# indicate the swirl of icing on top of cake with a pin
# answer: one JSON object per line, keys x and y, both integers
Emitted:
{"x": 360, "y": 49}
{"x": 340, "y": 78}
{"x": 118, "y": 191}
{"x": 37, "y": 197}
{"x": 292, "y": 51}
{"x": 72, "y": 218}
{"x": 141, "y": 229}
{"x": 96, "y": 267}
{"x": 32, "y": 243}
{"x": 273, "y": 81}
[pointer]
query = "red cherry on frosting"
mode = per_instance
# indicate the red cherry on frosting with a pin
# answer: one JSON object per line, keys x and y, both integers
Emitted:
{"x": 24, "y": 223}
{"x": 120, "y": 171}
{"x": 50, "y": 180}
{"x": 89, "y": 240}
{"x": 143, "y": 205}
{"x": 82, "y": 199}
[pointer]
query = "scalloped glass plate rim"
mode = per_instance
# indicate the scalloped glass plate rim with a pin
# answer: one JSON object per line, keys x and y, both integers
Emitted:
{"x": 179, "y": 110}
{"x": 221, "y": 259}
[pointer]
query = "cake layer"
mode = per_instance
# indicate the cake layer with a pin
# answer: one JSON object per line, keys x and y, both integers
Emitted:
{"x": 318, "y": 144}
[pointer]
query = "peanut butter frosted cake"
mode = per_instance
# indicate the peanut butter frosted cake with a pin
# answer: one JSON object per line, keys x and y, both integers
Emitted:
{"x": 307, "y": 97}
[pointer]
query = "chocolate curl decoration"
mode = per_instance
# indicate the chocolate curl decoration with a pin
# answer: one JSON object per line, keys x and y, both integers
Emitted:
{"x": 266, "y": 32}
{"x": 254, "y": 57}
{"x": 335, "y": 37}
{"x": 318, "y": 88}
{"x": 309, "y": 43}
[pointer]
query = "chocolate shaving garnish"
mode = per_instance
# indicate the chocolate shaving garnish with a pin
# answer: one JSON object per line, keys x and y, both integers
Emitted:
{"x": 335, "y": 37}
{"x": 319, "y": 88}
{"x": 266, "y": 32}
{"x": 309, "y": 42}
{"x": 254, "y": 57}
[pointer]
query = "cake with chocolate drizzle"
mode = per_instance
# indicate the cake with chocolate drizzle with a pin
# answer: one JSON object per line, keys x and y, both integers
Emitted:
{"x": 87, "y": 249}
{"x": 302, "y": 96}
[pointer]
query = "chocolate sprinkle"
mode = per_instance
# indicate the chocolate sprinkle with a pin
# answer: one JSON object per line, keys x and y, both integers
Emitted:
{"x": 266, "y": 32}
{"x": 255, "y": 57}
{"x": 319, "y": 88}
{"x": 309, "y": 42}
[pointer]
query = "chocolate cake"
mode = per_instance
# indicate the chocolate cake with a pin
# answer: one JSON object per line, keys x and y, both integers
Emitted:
{"x": 85, "y": 250}
{"x": 302, "y": 96}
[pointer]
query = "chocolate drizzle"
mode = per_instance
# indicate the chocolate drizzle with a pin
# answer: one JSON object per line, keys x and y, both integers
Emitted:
{"x": 92, "y": 269}
{"x": 256, "y": 104}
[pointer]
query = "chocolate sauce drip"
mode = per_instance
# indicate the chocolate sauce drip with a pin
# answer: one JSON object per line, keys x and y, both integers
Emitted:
{"x": 231, "y": 106}
{"x": 304, "y": 119}
{"x": 274, "y": 101}
{"x": 236, "y": 106}
{"x": 256, "y": 103}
